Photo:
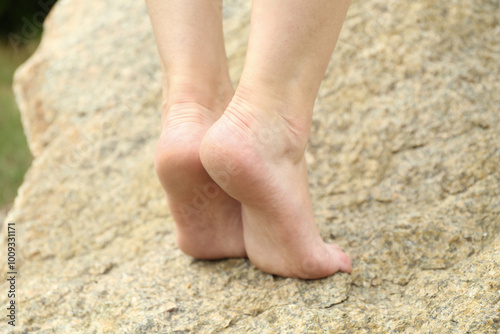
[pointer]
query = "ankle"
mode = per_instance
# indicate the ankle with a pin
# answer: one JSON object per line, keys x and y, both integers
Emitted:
{"x": 290, "y": 95}
{"x": 212, "y": 93}
{"x": 277, "y": 124}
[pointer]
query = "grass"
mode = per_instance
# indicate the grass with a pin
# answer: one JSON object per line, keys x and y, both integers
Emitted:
{"x": 15, "y": 157}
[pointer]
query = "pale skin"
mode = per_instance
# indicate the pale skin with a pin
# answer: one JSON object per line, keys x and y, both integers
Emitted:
{"x": 232, "y": 162}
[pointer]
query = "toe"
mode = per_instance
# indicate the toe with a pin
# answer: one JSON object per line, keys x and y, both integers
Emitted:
{"x": 342, "y": 260}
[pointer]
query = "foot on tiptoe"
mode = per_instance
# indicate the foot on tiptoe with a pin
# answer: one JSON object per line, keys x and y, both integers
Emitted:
{"x": 255, "y": 152}
{"x": 208, "y": 220}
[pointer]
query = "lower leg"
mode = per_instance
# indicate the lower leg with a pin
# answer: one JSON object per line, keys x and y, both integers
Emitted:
{"x": 196, "y": 90}
{"x": 264, "y": 132}
{"x": 191, "y": 46}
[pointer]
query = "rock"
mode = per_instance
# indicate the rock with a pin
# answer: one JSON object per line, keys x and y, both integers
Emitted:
{"x": 404, "y": 157}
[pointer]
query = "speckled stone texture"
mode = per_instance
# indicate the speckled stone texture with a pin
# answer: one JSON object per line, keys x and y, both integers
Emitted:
{"x": 404, "y": 164}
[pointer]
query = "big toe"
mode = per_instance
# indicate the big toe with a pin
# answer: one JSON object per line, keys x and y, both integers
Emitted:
{"x": 342, "y": 260}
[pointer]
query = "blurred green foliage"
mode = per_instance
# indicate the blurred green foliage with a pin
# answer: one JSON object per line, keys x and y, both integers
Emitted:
{"x": 21, "y": 20}
{"x": 15, "y": 156}
{"x": 20, "y": 29}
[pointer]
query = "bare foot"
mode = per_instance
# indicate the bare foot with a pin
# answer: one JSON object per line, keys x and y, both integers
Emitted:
{"x": 257, "y": 156}
{"x": 208, "y": 220}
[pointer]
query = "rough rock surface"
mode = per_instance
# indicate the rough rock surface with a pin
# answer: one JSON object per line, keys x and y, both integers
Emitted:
{"x": 404, "y": 158}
